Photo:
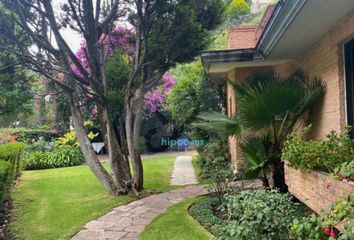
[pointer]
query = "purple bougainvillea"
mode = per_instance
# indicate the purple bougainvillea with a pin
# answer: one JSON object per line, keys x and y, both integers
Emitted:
{"x": 123, "y": 38}
{"x": 155, "y": 99}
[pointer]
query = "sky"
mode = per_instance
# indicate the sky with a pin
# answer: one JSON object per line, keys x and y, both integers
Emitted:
{"x": 71, "y": 37}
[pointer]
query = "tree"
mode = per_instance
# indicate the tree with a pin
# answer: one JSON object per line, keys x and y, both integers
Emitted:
{"x": 165, "y": 33}
{"x": 15, "y": 83}
{"x": 15, "y": 88}
{"x": 268, "y": 109}
{"x": 192, "y": 94}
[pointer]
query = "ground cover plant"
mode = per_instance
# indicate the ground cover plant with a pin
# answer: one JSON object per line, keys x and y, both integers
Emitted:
{"x": 249, "y": 214}
{"x": 55, "y": 204}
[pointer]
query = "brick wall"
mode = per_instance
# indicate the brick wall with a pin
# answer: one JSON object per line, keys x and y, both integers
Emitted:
{"x": 241, "y": 37}
{"x": 325, "y": 61}
{"x": 316, "y": 189}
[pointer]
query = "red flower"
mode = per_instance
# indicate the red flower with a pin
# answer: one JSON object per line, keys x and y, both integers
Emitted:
{"x": 340, "y": 177}
{"x": 327, "y": 230}
{"x": 11, "y": 138}
{"x": 332, "y": 234}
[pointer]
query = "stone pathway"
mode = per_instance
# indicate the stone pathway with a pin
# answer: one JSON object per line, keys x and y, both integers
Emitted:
{"x": 128, "y": 221}
{"x": 183, "y": 172}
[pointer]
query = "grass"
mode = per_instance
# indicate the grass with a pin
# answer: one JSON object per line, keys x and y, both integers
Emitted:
{"x": 55, "y": 204}
{"x": 175, "y": 224}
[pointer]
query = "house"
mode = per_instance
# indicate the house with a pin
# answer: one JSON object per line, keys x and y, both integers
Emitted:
{"x": 316, "y": 36}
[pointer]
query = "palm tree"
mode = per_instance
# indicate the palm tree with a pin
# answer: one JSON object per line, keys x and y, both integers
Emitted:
{"x": 268, "y": 109}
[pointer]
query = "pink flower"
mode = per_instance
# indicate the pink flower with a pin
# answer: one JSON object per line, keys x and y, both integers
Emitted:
{"x": 155, "y": 99}
{"x": 94, "y": 112}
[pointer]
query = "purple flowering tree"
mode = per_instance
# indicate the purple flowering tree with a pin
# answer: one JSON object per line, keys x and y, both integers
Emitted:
{"x": 155, "y": 99}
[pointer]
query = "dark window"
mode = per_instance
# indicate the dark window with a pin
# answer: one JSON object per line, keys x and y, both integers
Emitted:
{"x": 349, "y": 75}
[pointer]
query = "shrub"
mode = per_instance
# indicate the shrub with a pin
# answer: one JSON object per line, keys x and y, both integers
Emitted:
{"x": 10, "y": 165}
{"x": 6, "y": 173}
{"x": 321, "y": 227}
{"x": 202, "y": 212}
{"x": 12, "y": 152}
{"x": 64, "y": 156}
{"x": 322, "y": 155}
{"x": 39, "y": 145}
{"x": 345, "y": 171}
{"x": 26, "y": 135}
{"x": 259, "y": 214}
{"x": 215, "y": 164}
{"x": 70, "y": 139}
{"x": 308, "y": 227}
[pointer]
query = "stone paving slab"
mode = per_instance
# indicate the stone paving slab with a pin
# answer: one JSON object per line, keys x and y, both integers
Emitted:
{"x": 183, "y": 172}
{"x": 128, "y": 221}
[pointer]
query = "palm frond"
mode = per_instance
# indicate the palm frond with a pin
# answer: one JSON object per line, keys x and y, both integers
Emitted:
{"x": 267, "y": 100}
{"x": 254, "y": 152}
{"x": 314, "y": 90}
{"x": 230, "y": 126}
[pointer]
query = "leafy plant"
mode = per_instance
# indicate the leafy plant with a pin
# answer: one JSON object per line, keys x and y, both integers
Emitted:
{"x": 64, "y": 156}
{"x": 259, "y": 214}
{"x": 307, "y": 228}
{"x": 325, "y": 154}
{"x": 10, "y": 165}
{"x": 268, "y": 106}
{"x": 345, "y": 171}
{"x": 215, "y": 164}
{"x": 323, "y": 227}
{"x": 69, "y": 139}
{"x": 6, "y": 177}
{"x": 202, "y": 212}
{"x": 256, "y": 161}
{"x": 39, "y": 145}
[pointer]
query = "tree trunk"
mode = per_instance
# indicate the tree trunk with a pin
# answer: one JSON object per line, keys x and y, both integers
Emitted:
{"x": 279, "y": 176}
{"x": 138, "y": 170}
{"x": 119, "y": 167}
{"x": 86, "y": 147}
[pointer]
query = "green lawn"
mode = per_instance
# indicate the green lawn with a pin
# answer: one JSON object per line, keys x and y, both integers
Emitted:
{"x": 175, "y": 224}
{"x": 55, "y": 204}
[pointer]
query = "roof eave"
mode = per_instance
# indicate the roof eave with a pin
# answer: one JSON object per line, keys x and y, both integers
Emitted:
{"x": 283, "y": 14}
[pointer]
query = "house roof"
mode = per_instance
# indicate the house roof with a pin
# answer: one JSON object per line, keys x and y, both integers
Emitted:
{"x": 286, "y": 31}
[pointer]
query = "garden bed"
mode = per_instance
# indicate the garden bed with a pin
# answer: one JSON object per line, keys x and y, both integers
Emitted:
{"x": 318, "y": 190}
{"x": 249, "y": 214}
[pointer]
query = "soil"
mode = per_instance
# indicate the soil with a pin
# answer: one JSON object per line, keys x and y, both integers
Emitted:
{"x": 5, "y": 209}
{"x": 5, "y": 213}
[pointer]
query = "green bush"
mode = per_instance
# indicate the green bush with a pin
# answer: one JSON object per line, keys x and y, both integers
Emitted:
{"x": 215, "y": 164}
{"x": 202, "y": 212}
{"x": 324, "y": 155}
{"x": 259, "y": 214}
{"x": 10, "y": 165}
{"x": 322, "y": 227}
{"x": 27, "y": 135}
{"x": 64, "y": 156}
{"x": 39, "y": 145}
{"x": 345, "y": 171}
{"x": 6, "y": 173}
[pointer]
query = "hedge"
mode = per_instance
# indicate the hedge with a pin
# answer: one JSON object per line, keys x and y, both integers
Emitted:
{"x": 26, "y": 134}
{"x": 10, "y": 165}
